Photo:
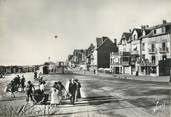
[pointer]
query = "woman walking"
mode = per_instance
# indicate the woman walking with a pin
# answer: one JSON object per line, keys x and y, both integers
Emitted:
{"x": 61, "y": 88}
{"x": 54, "y": 96}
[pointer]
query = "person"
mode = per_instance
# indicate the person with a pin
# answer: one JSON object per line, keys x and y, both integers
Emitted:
{"x": 78, "y": 92}
{"x": 42, "y": 86}
{"x": 40, "y": 79}
{"x": 22, "y": 82}
{"x": 94, "y": 71}
{"x": 72, "y": 90}
{"x": 17, "y": 81}
{"x": 35, "y": 75}
{"x": 29, "y": 91}
{"x": 60, "y": 89}
{"x": 54, "y": 96}
{"x": 12, "y": 88}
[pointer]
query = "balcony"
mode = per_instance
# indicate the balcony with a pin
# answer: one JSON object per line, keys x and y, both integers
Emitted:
{"x": 134, "y": 52}
{"x": 164, "y": 50}
{"x": 125, "y": 63}
{"x": 152, "y": 51}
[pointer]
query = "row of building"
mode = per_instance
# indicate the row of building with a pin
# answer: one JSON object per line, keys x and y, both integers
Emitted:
{"x": 16, "y": 69}
{"x": 141, "y": 51}
{"x": 95, "y": 56}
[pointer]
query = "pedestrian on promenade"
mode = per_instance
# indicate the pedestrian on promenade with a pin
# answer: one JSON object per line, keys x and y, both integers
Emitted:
{"x": 12, "y": 89}
{"x": 17, "y": 81}
{"x": 29, "y": 91}
{"x": 42, "y": 87}
{"x": 22, "y": 82}
{"x": 35, "y": 75}
{"x": 61, "y": 88}
{"x": 78, "y": 92}
{"x": 54, "y": 96}
{"x": 72, "y": 90}
{"x": 94, "y": 71}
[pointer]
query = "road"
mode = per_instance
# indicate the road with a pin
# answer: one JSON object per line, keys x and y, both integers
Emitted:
{"x": 104, "y": 97}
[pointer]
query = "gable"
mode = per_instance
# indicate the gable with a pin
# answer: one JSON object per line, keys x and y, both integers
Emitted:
{"x": 109, "y": 46}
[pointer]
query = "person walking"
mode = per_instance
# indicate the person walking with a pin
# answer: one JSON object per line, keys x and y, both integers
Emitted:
{"x": 54, "y": 96}
{"x": 35, "y": 75}
{"x": 42, "y": 86}
{"x": 12, "y": 88}
{"x": 22, "y": 82}
{"x": 61, "y": 88}
{"x": 78, "y": 92}
{"x": 29, "y": 91}
{"x": 17, "y": 81}
{"x": 72, "y": 90}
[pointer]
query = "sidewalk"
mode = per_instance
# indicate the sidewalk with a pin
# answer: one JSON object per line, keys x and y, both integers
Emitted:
{"x": 126, "y": 76}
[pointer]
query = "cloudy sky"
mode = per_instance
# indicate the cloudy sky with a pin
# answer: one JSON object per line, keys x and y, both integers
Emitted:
{"x": 28, "y": 27}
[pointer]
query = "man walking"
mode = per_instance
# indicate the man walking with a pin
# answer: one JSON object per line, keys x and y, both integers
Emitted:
{"x": 22, "y": 82}
{"x": 72, "y": 91}
{"x": 29, "y": 91}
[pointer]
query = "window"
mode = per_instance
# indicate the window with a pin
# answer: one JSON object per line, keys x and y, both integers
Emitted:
{"x": 163, "y": 29}
{"x": 163, "y": 45}
{"x": 164, "y": 57}
{"x": 153, "y": 59}
{"x": 143, "y": 56}
{"x": 154, "y": 31}
{"x": 134, "y": 36}
{"x": 153, "y": 70}
{"x": 152, "y": 47}
{"x": 143, "y": 46}
{"x": 125, "y": 58}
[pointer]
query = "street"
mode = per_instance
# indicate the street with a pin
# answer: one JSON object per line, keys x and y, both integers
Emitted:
{"x": 102, "y": 97}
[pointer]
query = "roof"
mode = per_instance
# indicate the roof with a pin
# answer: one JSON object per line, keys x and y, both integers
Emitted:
{"x": 107, "y": 39}
{"x": 149, "y": 31}
{"x": 100, "y": 41}
{"x": 160, "y": 25}
{"x": 139, "y": 31}
{"x": 127, "y": 35}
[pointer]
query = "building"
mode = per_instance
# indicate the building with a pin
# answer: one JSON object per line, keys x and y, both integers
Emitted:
{"x": 115, "y": 64}
{"x": 126, "y": 52}
{"x": 156, "y": 50}
{"x": 90, "y": 57}
{"x": 104, "y": 47}
{"x": 79, "y": 57}
{"x": 145, "y": 50}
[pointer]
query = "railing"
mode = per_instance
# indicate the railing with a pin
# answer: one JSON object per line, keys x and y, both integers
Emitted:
{"x": 152, "y": 51}
{"x": 164, "y": 50}
{"x": 125, "y": 63}
{"x": 134, "y": 52}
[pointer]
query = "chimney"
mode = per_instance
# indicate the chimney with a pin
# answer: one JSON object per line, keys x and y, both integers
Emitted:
{"x": 164, "y": 21}
{"x": 115, "y": 41}
{"x": 130, "y": 30}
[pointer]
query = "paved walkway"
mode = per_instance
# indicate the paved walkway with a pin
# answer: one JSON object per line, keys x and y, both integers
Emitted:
{"x": 126, "y": 76}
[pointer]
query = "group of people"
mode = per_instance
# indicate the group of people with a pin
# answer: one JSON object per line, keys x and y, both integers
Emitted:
{"x": 58, "y": 92}
{"x": 15, "y": 84}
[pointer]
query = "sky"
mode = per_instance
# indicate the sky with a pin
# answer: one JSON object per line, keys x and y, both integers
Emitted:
{"x": 28, "y": 27}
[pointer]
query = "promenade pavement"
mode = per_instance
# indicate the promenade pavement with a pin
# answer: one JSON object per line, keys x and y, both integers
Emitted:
{"x": 164, "y": 79}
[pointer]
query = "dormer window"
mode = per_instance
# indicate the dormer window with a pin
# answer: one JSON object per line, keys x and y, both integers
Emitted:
{"x": 134, "y": 36}
{"x": 163, "y": 29}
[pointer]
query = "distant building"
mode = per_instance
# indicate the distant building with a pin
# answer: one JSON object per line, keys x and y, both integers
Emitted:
{"x": 79, "y": 57}
{"x": 104, "y": 47}
{"x": 115, "y": 64}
